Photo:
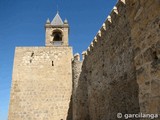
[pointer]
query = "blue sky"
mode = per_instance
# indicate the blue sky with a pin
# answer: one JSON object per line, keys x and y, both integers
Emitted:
{"x": 22, "y": 24}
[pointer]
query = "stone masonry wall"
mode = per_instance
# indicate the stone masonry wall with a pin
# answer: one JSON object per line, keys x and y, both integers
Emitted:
{"x": 42, "y": 83}
{"x": 121, "y": 69}
{"x": 145, "y": 20}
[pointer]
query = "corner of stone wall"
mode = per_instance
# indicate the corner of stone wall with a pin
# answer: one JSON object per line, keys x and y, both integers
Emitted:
{"x": 76, "y": 71}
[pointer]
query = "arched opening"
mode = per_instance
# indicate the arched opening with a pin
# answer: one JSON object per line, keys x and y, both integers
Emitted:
{"x": 57, "y": 38}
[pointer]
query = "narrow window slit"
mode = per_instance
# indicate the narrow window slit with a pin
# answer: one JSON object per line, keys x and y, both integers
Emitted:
{"x": 52, "y": 63}
{"x": 32, "y": 54}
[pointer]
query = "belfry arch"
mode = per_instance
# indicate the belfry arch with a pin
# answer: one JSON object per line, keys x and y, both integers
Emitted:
{"x": 57, "y": 35}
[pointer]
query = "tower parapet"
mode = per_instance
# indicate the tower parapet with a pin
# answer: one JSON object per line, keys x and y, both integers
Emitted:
{"x": 77, "y": 57}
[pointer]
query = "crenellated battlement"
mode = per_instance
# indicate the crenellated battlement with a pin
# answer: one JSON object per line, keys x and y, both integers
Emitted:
{"x": 120, "y": 72}
{"x": 83, "y": 55}
{"x": 107, "y": 25}
{"x": 77, "y": 57}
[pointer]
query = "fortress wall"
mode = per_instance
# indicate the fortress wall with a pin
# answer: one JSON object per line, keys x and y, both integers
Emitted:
{"x": 112, "y": 80}
{"x": 119, "y": 71}
{"x": 42, "y": 83}
{"x": 145, "y": 20}
{"x": 109, "y": 71}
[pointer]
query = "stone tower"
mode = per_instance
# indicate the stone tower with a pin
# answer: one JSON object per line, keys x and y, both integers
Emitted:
{"x": 42, "y": 77}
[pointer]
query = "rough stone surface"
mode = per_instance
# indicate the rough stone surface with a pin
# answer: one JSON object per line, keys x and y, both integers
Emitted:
{"x": 121, "y": 70}
{"x": 42, "y": 83}
{"x": 145, "y": 34}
